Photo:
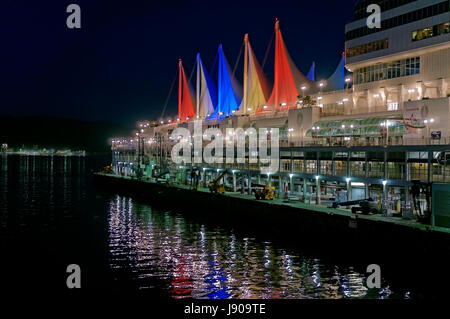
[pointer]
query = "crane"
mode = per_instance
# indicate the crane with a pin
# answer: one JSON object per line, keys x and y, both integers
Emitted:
{"x": 214, "y": 186}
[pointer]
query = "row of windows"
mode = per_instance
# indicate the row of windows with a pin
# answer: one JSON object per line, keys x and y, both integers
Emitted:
{"x": 439, "y": 173}
{"x": 430, "y": 32}
{"x": 361, "y": 6}
{"x": 389, "y": 70}
{"x": 412, "y": 16}
{"x": 368, "y": 47}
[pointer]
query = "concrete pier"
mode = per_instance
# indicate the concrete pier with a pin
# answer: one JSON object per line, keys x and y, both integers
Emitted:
{"x": 282, "y": 217}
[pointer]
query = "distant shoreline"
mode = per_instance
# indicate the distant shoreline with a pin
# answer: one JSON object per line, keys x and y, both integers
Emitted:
{"x": 34, "y": 133}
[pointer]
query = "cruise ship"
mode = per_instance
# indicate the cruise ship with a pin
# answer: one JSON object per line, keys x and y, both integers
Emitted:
{"x": 377, "y": 128}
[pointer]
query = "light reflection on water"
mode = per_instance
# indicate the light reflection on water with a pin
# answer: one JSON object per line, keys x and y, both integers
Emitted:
{"x": 192, "y": 260}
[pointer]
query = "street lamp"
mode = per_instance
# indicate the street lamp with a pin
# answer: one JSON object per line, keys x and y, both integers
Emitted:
{"x": 317, "y": 190}
{"x": 427, "y": 124}
{"x": 348, "y": 79}
{"x": 303, "y": 88}
{"x": 291, "y": 186}
{"x": 348, "y": 179}
{"x": 383, "y": 206}
{"x": 234, "y": 180}
{"x": 386, "y": 124}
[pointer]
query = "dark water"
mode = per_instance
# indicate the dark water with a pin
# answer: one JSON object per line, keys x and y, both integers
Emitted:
{"x": 51, "y": 216}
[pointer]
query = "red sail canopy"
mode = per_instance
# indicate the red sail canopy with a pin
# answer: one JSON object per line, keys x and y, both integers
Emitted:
{"x": 185, "y": 104}
{"x": 287, "y": 77}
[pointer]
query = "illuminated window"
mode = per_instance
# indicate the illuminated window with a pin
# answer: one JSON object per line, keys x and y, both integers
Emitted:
{"x": 298, "y": 166}
{"x": 368, "y": 47}
{"x": 430, "y": 32}
{"x": 389, "y": 70}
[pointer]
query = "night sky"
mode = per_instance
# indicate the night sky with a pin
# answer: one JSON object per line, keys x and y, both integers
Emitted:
{"x": 119, "y": 66}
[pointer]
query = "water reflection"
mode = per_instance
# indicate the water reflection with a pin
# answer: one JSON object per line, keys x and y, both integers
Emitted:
{"x": 192, "y": 260}
{"x": 40, "y": 193}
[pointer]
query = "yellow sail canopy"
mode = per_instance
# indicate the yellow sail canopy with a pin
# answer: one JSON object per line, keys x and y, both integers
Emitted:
{"x": 206, "y": 96}
{"x": 255, "y": 83}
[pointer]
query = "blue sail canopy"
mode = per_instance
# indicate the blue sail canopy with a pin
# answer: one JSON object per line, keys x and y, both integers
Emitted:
{"x": 312, "y": 72}
{"x": 337, "y": 80}
{"x": 228, "y": 97}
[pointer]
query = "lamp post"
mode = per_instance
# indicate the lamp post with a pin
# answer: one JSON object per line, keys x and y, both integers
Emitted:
{"x": 139, "y": 148}
{"x": 384, "y": 200}
{"x": 348, "y": 179}
{"x": 427, "y": 123}
{"x": 234, "y": 180}
{"x": 352, "y": 138}
{"x": 291, "y": 186}
{"x": 347, "y": 81}
{"x": 303, "y": 88}
{"x": 343, "y": 132}
{"x": 204, "y": 177}
{"x": 317, "y": 189}
{"x": 321, "y": 85}
{"x": 386, "y": 125}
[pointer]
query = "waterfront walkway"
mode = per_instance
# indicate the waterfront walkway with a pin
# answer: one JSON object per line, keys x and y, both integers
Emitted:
{"x": 378, "y": 218}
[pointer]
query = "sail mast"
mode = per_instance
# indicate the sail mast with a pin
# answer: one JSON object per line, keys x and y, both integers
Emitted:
{"x": 277, "y": 58}
{"x": 180, "y": 87}
{"x": 198, "y": 87}
{"x": 245, "y": 73}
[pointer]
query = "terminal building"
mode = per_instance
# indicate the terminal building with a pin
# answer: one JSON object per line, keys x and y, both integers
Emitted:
{"x": 376, "y": 125}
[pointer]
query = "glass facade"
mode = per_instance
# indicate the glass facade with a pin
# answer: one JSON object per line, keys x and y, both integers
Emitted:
{"x": 368, "y": 47}
{"x": 430, "y": 32}
{"x": 409, "y": 17}
{"x": 418, "y": 171}
{"x": 389, "y": 70}
{"x": 375, "y": 169}
{"x": 357, "y": 168}
{"x": 311, "y": 166}
{"x": 285, "y": 166}
{"x": 298, "y": 166}
{"x": 340, "y": 168}
{"x": 326, "y": 167}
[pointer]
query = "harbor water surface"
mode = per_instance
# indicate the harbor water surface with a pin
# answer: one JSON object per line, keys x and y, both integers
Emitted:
{"x": 51, "y": 216}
